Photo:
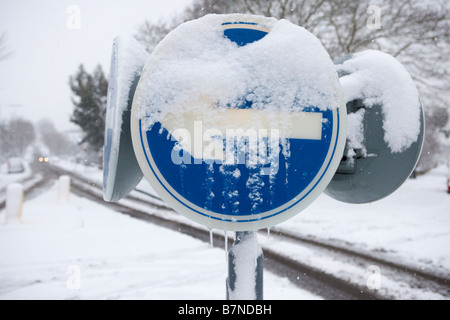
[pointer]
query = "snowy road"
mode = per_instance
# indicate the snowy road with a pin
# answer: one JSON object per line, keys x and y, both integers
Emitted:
{"x": 113, "y": 257}
{"x": 346, "y": 252}
{"x": 337, "y": 271}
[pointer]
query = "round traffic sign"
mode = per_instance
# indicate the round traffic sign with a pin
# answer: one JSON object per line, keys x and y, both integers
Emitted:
{"x": 121, "y": 172}
{"x": 386, "y": 127}
{"x": 238, "y": 121}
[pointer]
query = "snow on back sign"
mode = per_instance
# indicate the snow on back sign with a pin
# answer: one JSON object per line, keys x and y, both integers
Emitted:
{"x": 238, "y": 121}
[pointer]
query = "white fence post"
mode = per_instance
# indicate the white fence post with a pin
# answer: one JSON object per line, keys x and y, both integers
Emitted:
{"x": 64, "y": 189}
{"x": 14, "y": 203}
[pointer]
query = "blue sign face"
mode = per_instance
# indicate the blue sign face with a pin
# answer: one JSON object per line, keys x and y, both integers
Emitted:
{"x": 243, "y": 179}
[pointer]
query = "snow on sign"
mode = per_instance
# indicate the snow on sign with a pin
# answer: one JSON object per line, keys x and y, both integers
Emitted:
{"x": 238, "y": 121}
{"x": 385, "y": 127}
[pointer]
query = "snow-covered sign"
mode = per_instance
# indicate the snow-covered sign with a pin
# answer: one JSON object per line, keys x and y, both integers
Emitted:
{"x": 121, "y": 172}
{"x": 239, "y": 121}
{"x": 385, "y": 127}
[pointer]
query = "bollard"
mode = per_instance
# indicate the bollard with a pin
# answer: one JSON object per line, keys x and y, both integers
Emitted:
{"x": 63, "y": 189}
{"x": 14, "y": 203}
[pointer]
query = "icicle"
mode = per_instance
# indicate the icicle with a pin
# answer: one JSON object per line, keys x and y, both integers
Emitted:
{"x": 286, "y": 150}
{"x": 225, "y": 235}
{"x": 268, "y": 233}
{"x": 209, "y": 183}
{"x": 211, "y": 242}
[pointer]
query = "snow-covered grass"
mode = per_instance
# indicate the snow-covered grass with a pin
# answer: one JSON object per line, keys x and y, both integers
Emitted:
{"x": 412, "y": 225}
{"x": 82, "y": 250}
{"x": 93, "y": 173}
{"x": 118, "y": 257}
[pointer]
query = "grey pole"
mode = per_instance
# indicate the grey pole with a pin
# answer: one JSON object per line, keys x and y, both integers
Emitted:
{"x": 245, "y": 268}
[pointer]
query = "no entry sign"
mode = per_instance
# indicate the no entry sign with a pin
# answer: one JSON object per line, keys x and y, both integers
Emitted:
{"x": 238, "y": 121}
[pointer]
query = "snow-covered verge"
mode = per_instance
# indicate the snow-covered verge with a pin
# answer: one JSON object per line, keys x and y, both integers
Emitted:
{"x": 81, "y": 250}
{"x": 92, "y": 173}
{"x": 412, "y": 225}
{"x": 95, "y": 175}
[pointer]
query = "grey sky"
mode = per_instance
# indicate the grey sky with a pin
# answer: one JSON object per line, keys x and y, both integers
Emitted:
{"x": 48, "y": 47}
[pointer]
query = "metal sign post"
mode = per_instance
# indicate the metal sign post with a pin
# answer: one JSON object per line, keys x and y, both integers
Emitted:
{"x": 245, "y": 268}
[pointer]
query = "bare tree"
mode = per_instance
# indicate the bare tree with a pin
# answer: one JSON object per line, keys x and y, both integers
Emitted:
{"x": 408, "y": 27}
{"x": 57, "y": 142}
{"x": 150, "y": 33}
{"x": 306, "y": 13}
{"x": 16, "y": 136}
{"x": 416, "y": 32}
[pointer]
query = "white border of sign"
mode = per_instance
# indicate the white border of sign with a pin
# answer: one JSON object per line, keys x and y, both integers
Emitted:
{"x": 127, "y": 60}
